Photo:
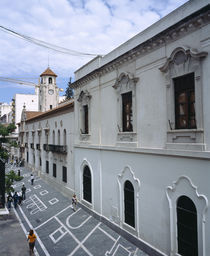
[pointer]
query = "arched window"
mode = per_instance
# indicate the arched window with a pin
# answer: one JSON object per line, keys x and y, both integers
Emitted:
{"x": 64, "y": 137}
{"x": 53, "y": 138}
{"x": 129, "y": 207}
{"x": 59, "y": 137}
{"x": 87, "y": 184}
{"x": 187, "y": 235}
{"x": 50, "y": 80}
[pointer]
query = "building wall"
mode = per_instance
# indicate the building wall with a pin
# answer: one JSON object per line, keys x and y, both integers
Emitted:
{"x": 161, "y": 162}
{"x": 49, "y": 124}
{"x": 29, "y": 100}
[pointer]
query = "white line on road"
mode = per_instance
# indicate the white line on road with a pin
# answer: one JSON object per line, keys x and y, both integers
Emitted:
{"x": 52, "y": 217}
{"x": 31, "y": 227}
{"x": 24, "y": 230}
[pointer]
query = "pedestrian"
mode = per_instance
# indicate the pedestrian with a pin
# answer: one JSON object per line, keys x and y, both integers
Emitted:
{"x": 9, "y": 201}
{"x": 74, "y": 202}
{"x": 20, "y": 198}
{"x": 31, "y": 239}
{"x": 32, "y": 179}
{"x": 23, "y": 189}
{"x": 15, "y": 198}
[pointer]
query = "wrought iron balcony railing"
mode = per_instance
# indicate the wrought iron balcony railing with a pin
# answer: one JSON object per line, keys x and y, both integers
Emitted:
{"x": 55, "y": 148}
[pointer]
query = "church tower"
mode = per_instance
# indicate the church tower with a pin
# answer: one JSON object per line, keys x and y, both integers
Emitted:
{"x": 48, "y": 91}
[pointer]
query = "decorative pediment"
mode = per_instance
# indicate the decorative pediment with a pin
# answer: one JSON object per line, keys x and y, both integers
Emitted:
{"x": 125, "y": 80}
{"x": 128, "y": 174}
{"x": 182, "y": 55}
{"x": 84, "y": 96}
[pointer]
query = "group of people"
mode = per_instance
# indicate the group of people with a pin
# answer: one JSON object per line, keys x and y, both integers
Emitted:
{"x": 17, "y": 198}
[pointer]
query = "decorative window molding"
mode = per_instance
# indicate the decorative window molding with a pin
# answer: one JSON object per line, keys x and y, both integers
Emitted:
{"x": 128, "y": 175}
{"x": 184, "y": 186}
{"x": 184, "y": 61}
{"x": 125, "y": 84}
{"x": 84, "y": 100}
{"x": 86, "y": 203}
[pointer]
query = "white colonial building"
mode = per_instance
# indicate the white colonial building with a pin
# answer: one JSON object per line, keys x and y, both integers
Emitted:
{"x": 46, "y": 144}
{"x": 142, "y": 140}
{"x": 141, "y": 130}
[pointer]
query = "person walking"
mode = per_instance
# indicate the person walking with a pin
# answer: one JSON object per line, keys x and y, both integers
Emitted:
{"x": 31, "y": 239}
{"x": 15, "y": 198}
{"x": 74, "y": 202}
{"x": 9, "y": 201}
{"x": 23, "y": 189}
{"x": 32, "y": 179}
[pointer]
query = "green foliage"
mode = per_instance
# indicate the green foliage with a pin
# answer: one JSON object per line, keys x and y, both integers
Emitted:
{"x": 5, "y": 131}
{"x": 13, "y": 143}
{"x": 9, "y": 179}
{"x": 69, "y": 93}
{"x": 4, "y": 154}
{"x": 11, "y": 128}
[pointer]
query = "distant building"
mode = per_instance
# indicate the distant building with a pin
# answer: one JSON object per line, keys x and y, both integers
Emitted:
{"x": 45, "y": 98}
{"x": 4, "y": 112}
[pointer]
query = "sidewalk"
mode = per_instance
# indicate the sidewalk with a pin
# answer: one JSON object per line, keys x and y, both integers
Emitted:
{"x": 13, "y": 241}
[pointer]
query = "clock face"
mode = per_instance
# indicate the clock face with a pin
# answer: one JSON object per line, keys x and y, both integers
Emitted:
{"x": 51, "y": 92}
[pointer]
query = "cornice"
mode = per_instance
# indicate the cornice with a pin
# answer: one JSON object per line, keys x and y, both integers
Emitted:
{"x": 180, "y": 29}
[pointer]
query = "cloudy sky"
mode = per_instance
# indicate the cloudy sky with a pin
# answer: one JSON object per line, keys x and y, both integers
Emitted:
{"x": 89, "y": 26}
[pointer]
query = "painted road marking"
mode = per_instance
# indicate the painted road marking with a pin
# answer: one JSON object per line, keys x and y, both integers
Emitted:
{"x": 44, "y": 192}
{"x": 36, "y": 204}
{"x": 55, "y": 235}
{"x": 53, "y": 201}
{"x": 37, "y": 186}
{"x": 38, "y": 239}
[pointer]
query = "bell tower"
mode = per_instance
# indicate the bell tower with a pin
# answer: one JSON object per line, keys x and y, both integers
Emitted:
{"x": 48, "y": 91}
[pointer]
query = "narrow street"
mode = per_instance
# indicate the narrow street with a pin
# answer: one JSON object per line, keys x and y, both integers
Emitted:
{"x": 60, "y": 230}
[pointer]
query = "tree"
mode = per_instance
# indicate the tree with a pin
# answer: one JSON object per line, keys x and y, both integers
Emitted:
{"x": 10, "y": 178}
{"x": 69, "y": 91}
{"x": 5, "y": 131}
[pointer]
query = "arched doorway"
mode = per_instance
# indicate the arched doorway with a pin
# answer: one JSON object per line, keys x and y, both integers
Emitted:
{"x": 129, "y": 206}
{"x": 87, "y": 193}
{"x": 187, "y": 235}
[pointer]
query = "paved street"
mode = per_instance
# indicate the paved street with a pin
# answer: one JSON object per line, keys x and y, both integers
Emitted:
{"x": 60, "y": 230}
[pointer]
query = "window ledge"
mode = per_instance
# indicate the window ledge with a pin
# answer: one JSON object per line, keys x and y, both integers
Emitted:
{"x": 127, "y": 139}
{"x": 84, "y": 136}
{"x": 187, "y": 139}
{"x": 185, "y": 131}
{"x": 87, "y": 204}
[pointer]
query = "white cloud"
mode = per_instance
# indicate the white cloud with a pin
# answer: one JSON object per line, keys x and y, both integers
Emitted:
{"x": 94, "y": 26}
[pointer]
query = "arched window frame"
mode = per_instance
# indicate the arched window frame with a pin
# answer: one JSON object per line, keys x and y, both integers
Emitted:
{"x": 50, "y": 80}
{"x": 184, "y": 186}
{"x": 64, "y": 137}
{"x": 53, "y": 138}
{"x": 128, "y": 174}
{"x": 86, "y": 163}
{"x": 59, "y": 137}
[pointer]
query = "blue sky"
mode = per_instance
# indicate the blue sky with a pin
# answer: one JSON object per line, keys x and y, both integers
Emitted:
{"x": 90, "y": 26}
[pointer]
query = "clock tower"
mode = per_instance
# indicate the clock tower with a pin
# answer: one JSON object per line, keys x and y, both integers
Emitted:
{"x": 48, "y": 91}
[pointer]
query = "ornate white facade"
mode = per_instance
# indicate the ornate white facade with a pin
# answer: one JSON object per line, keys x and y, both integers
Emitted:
{"x": 141, "y": 140}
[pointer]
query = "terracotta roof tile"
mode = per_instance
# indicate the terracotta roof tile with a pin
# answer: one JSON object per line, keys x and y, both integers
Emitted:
{"x": 48, "y": 72}
{"x": 31, "y": 114}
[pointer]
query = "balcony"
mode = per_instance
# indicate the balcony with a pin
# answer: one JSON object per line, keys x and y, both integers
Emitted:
{"x": 38, "y": 147}
{"x": 55, "y": 148}
{"x": 32, "y": 145}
